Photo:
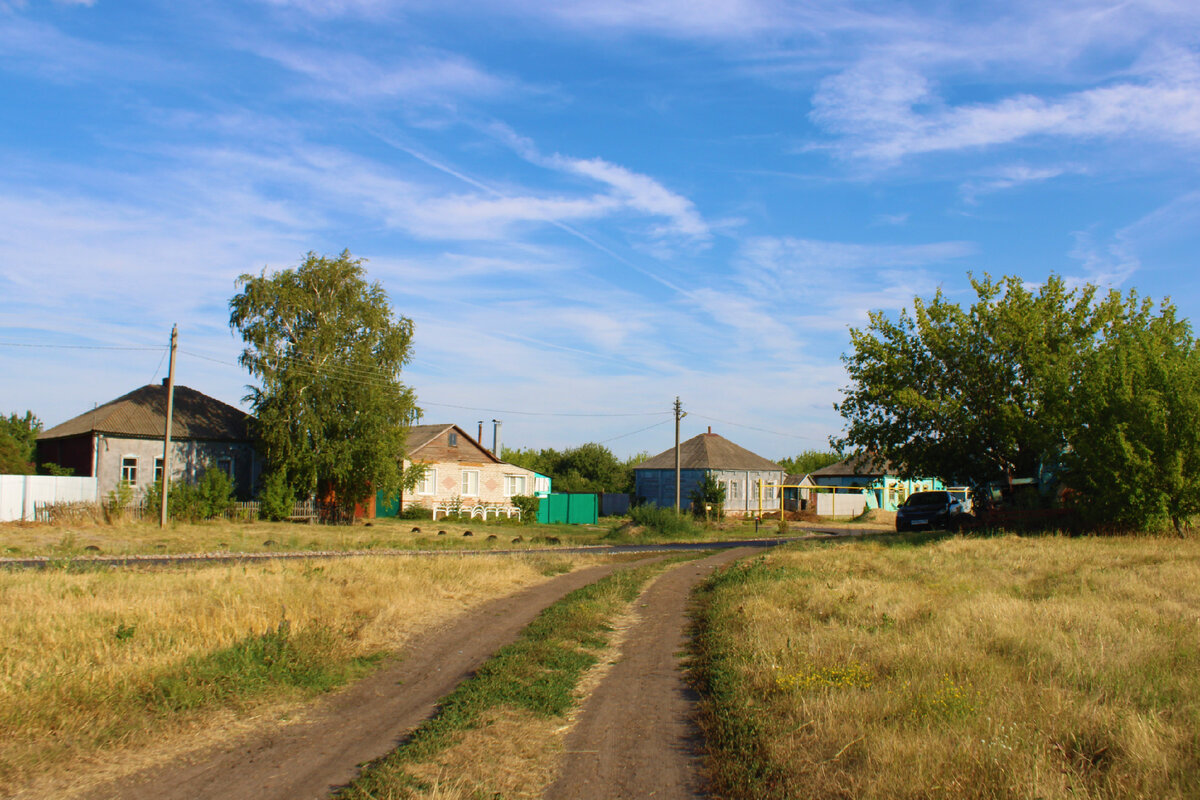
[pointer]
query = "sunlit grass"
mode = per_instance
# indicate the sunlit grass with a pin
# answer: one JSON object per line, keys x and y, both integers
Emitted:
{"x": 93, "y": 659}
{"x": 1004, "y": 667}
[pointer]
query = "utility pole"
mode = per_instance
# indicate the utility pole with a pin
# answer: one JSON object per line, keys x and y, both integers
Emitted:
{"x": 166, "y": 473}
{"x": 679, "y": 414}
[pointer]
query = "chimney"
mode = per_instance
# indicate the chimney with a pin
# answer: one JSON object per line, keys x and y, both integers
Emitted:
{"x": 710, "y": 430}
{"x": 165, "y": 380}
{"x": 496, "y": 437}
{"x": 479, "y": 438}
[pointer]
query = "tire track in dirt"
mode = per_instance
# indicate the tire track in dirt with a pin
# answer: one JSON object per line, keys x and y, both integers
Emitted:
{"x": 634, "y": 737}
{"x": 311, "y": 758}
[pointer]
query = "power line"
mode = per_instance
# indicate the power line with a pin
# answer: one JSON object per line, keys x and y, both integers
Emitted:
{"x": 631, "y": 433}
{"x": 365, "y": 376}
{"x": 77, "y": 346}
{"x": 753, "y": 428}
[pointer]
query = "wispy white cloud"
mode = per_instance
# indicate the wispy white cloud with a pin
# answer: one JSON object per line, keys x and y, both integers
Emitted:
{"x": 886, "y": 111}
{"x": 1012, "y": 176}
{"x": 429, "y": 77}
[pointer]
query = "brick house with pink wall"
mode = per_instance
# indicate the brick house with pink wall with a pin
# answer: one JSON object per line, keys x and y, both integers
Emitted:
{"x": 458, "y": 467}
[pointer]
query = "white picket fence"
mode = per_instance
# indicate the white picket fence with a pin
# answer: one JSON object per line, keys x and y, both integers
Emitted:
{"x": 21, "y": 494}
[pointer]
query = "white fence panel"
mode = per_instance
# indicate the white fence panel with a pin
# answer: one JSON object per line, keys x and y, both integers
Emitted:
{"x": 840, "y": 504}
{"x": 18, "y": 493}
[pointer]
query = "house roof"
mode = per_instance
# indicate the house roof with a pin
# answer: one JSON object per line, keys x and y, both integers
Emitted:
{"x": 421, "y": 435}
{"x": 143, "y": 412}
{"x": 709, "y": 451}
{"x": 856, "y": 465}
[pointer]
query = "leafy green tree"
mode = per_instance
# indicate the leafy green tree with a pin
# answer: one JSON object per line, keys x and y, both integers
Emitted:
{"x": 589, "y": 467}
{"x": 215, "y": 491}
{"x": 976, "y": 394}
{"x": 276, "y": 499}
{"x": 709, "y": 493}
{"x": 327, "y": 350}
{"x": 18, "y": 443}
{"x": 1134, "y": 459}
{"x": 809, "y": 461}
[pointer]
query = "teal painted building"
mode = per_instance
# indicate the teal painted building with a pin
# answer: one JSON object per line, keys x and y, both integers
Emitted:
{"x": 871, "y": 478}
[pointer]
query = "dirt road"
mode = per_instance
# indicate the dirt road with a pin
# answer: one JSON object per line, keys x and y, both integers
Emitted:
{"x": 310, "y": 758}
{"x": 634, "y": 738}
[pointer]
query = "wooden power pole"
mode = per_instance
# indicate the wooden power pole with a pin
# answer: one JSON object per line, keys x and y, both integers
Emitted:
{"x": 166, "y": 471}
{"x": 679, "y": 414}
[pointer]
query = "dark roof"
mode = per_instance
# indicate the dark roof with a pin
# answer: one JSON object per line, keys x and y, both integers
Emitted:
{"x": 143, "y": 412}
{"x": 421, "y": 435}
{"x": 859, "y": 464}
{"x": 709, "y": 451}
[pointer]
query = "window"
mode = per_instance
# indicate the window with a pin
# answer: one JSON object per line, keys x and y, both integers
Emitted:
{"x": 428, "y": 482}
{"x": 541, "y": 484}
{"x": 158, "y": 470}
{"x": 453, "y": 440}
{"x": 226, "y": 466}
{"x": 514, "y": 485}
{"x": 470, "y": 483}
{"x": 735, "y": 490}
{"x": 129, "y": 469}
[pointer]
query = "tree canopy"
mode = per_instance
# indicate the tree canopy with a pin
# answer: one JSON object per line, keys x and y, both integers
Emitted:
{"x": 330, "y": 410}
{"x": 808, "y": 461}
{"x": 1104, "y": 386}
{"x": 589, "y": 467}
{"x": 971, "y": 395}
{"x": 18, "y": 443}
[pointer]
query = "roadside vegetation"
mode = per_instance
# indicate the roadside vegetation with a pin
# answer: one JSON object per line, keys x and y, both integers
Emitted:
{"x": 648, "y": 526}
{"x": 513, "y": 709}
{"x": 925, "y": 667}
{"x": 96, "y": 659}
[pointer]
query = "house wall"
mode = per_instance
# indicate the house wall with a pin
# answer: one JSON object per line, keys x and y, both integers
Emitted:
{"x": 448, "y": 483}
{"x": 658, "y": 486}
{"x": 189, "y": 459}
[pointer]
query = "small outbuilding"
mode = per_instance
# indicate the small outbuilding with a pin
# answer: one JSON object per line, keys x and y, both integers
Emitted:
{"x": 740, "y": 471}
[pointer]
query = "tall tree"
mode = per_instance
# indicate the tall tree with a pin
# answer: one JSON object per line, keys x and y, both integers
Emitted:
{"x": 976, "y": 394}
{"x": 1134, "y": 458}
{"x": 18, "y": 443}
{"x": 589, "y": 467}
{"x": 327, "y": 349}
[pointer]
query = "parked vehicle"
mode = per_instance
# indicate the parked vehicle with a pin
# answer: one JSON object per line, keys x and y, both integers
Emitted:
{"x": 930, "y": 510}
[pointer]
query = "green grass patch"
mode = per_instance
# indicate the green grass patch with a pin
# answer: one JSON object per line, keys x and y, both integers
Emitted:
{"x": 537, "y": 673}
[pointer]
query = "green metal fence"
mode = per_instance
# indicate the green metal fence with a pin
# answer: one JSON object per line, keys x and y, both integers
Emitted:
{"x": 573, "y": 509}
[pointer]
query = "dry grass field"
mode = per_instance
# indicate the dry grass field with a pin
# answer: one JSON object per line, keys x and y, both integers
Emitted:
{"x": 955, "y": 667}
{"x": 101, "y": 659}
{"x": 24, "y": 540}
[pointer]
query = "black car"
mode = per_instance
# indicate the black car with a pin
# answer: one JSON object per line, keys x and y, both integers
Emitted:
{"x": 930, "y": 510}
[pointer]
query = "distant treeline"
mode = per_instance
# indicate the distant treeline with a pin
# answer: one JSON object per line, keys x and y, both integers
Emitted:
{"x": 589, "y": 467}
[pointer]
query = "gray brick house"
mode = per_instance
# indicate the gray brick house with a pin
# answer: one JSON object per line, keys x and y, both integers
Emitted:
{"x": 122, "y": 440}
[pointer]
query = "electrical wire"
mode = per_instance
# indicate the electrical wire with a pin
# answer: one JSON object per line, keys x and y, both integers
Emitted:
{"x": 631, "y": 433}
{"x": 753, "y": 428}
{"x": 79, "y": 346}
{"x": 365, "y": 377}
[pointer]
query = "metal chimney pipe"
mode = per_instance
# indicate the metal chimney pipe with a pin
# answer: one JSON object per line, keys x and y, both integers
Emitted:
{"x": 479, "y": 438}
{"x": 496, "y": 437}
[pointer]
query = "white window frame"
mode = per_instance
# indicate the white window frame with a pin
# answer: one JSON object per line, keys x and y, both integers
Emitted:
{"x": 735, "y": 490}
{"x": 510, "y": 485}
{"x": 470, "y": 476}
{"x": 541, "y": 484}
{"x": 158, "y": 469}
{"x": 428, "y": 483}
{"x": 125, "y": 470}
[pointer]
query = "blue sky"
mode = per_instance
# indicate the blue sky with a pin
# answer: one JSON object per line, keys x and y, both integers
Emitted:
{"x": 587, "y": 207}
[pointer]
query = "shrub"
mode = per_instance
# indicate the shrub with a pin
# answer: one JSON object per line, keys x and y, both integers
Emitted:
{"x": 276, "y": 499}
{"x": 118, "y": 501}
{"x": 708, "y": 494}
{"x": 529, "y": 505}
{"x": 661, "y": 521}
{"x": 416, "y": 511}
{"x": 215, "y": 493}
